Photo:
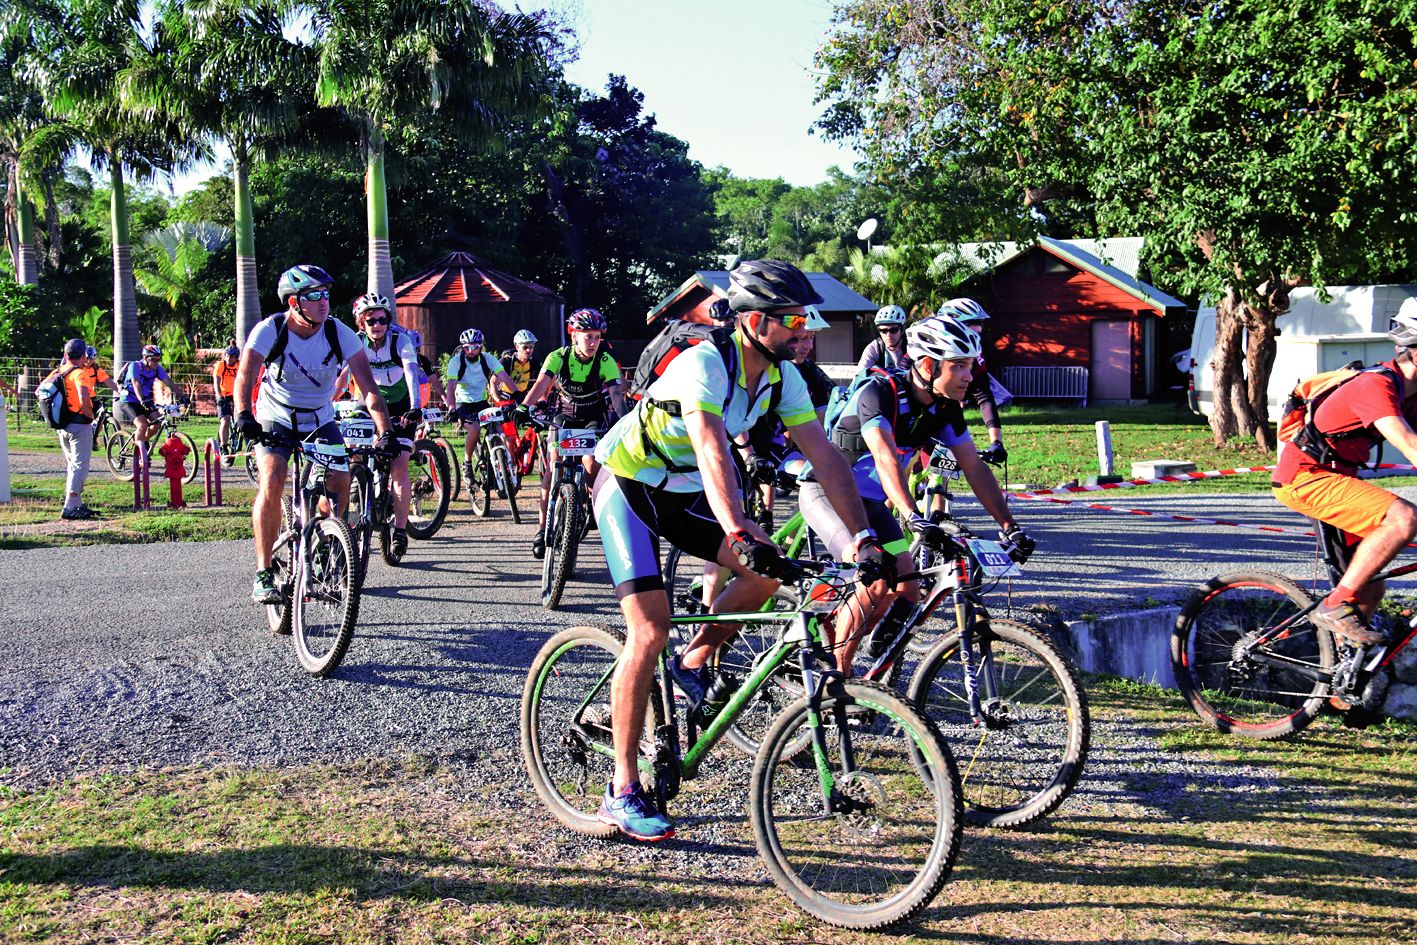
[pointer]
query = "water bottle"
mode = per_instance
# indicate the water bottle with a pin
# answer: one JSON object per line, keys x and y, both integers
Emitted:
{"x": 717, "y": 696}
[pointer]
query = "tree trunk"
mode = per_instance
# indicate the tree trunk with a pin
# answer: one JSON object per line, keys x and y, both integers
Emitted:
{"x": 381, "y": 271}
{"x": 1259, "y": 362}
{"x": 1225, "y": 366}
{"x": 248, "y": 298}
{"x": 27, "y": 249}
{"x": 125, "y": 301}
{"x": 52, "y": 224}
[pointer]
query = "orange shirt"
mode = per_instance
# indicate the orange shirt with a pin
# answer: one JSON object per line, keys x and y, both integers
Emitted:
{"x": 76, "y": 381}
{"x": 225, "y": 377}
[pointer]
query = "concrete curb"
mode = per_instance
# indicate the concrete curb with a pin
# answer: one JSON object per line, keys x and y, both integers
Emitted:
{"x": 1137, "y": 645}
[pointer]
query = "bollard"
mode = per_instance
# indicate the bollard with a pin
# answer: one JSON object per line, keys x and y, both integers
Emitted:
{"x": 141, "y": 498}
{"x": 1104, "y": 448}
{"x": 212, "y": 454}
{"x": 4, "y": 452}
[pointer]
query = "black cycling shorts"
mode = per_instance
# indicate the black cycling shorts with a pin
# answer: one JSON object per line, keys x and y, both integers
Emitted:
{"x": 225, "y": 407}
{"x": 467, "y": 413}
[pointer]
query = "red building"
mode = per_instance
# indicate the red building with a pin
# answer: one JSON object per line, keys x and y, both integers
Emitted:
{"x": 1070, "y": 318}
{"x": 462, "y": 291}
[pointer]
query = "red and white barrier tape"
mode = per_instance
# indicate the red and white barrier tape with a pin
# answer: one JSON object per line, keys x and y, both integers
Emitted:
{"x": 1179, "y": 477}
{"x": 1175, "y": 518}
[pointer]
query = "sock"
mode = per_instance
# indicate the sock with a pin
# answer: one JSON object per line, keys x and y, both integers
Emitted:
{"x": 1340, "y": 594}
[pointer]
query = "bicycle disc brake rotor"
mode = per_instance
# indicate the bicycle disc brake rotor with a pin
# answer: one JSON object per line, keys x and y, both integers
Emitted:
{"x": 997, "y": 714}
{"x": 857, "y": 802}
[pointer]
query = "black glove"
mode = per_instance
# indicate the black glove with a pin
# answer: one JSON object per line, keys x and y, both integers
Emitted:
{"x": 250, "y": 427}
{"x": 760, "y": 557}
{"x": 148, "y": 406}
{"x": 414, "y": 417}
{"x": 995, "y": 454}
{"x": 522, "y": 413}
{"x": 764, "y": 471}
{"x": 935, "y": 533}
{"x": 1022, "y": 545}
{"x": 385, "y": 443}
{"x": 874, "y": 563}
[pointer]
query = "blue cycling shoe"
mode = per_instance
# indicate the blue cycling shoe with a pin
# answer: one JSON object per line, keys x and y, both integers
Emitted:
{"x": 632, "y": 811}
{"x": 693, "y": 683}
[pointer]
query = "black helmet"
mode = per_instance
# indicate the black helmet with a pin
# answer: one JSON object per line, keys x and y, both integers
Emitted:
{"x": 762, "y": 285}
{"x": 719, "y": 310}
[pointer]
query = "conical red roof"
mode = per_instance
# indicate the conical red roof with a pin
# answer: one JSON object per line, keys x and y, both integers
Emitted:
{"x": 462, "y": 277}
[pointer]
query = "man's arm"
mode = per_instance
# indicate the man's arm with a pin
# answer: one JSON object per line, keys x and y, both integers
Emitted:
{"x": 833, "y": 474}
{"x": 1398, "y": 432}
{"x": 216, "y": 384}
{"x": 880, "y": 440}
{"x": 359, "y": 369}
{"x": 981, "y": 480}
{"x": 246, "y": 376}
{"x": 869, "y": 357}
{"x": 710, "y": 438}
{"x": 538, "y": 390}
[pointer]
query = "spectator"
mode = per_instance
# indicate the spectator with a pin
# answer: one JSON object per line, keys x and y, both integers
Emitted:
{"x": 76, "y": 436}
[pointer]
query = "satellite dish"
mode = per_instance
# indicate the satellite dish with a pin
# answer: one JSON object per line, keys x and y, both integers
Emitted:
{"x": 866, "y": 230}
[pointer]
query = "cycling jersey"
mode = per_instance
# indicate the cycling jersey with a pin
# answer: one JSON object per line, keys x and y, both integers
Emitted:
{"x": 520, "y": 372}
{"x": 875, "y": 405}
{"x": 299, "y": 386}
{"x": 138, "y": 382}
{"x": 878, "y": 355}
{"x": 638, "y": 446}
{"x": 387, "y": 362}
{"x": 225, "y": 377}
{"x": 471, "y": 375}
{"x": 1355, "y": 406}
{"x": 582, "y": 384}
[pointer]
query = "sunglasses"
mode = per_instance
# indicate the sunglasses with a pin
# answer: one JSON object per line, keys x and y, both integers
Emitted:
{"x": 376, "y": 321}
{"x": 790, "y": 322}
{"x": 891, "y": 330}
{"x": 315, "y": 295}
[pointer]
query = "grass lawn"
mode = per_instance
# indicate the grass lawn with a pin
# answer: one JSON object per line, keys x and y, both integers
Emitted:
{"x": 1308, "y": 842}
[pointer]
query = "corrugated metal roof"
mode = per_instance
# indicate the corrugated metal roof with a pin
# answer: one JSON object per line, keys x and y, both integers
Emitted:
{"x": 1130, "y": 284}
{"x": 838, "y": 298}
{"x": 462, "y": 277}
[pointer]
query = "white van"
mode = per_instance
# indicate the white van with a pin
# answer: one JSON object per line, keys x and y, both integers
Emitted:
{"x": 1313, "y": 337}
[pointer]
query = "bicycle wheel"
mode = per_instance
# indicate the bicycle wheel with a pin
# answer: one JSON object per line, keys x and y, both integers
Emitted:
{"x": 1025, "y": 757}
{"x": 119, "y": 454}
{"x": 556, "y": 567}
{"x": 479, "y": 484}
{"x": 326, "y": 597}
{"x": 253, "y": 472}
{"x": 454, "y": 463}
{"x": 358, "y": 515}
{"x": 565, "y": 725}
{"x": 508, "y": 484}
{"x": 1237, "y": 690}
{"x": 892, "y": 835}
{"x": 279, "y": 616}
{"x": 192, "y": 462}
{"x": 429, "y": 477}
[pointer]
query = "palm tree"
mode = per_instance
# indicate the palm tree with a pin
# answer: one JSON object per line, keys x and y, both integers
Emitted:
{"x": 171, "y": 263}
{"x": 77, "y": 52}
{"x": 391, "y": 63}
{"x": 21, "y": 113}
{"x": 226, "y": 68}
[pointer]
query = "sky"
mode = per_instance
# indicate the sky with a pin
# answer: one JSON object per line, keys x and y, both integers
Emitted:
{"x": 733, "y": 78}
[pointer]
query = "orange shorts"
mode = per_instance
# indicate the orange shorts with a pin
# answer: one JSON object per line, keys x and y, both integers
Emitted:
{"x": 1354, "y": 505}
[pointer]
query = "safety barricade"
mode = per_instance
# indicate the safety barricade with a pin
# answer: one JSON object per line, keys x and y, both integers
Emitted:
{"x": 211, "y": 452}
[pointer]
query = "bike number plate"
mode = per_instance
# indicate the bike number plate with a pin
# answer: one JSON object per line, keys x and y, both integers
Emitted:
{"x": 332, "y": 456}
{"x": 357, "y": 432}
{"x": 434, "y": 415}
{"x": 172, "y": 410}
{"x": 576, "y": 442}
{"x": 490, "y": 415}
{"x": 943, "y": 462}
{"x": 993, "y": 559}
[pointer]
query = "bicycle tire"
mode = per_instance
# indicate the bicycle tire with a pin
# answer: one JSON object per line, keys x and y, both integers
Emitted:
{"x": 559, "y": 553}
{"x": 479, "y": 484}
{"x": 1237, "y": 695}
{"x": 428, "y": 486}
{"x": 358, "y": 515}
{"x": 328, "y": 577}
{"x": 566, "y": 771}
{"x": 119, "y": 455}
{"x": 509, "y": 485}
{"x": 192, "y": 462}
{"x": 902, "y": 776}
{"x": 454, "y": 467}
{"x": 279, "y": 616}
{"x": 1018, "y": 767}
{"x": 253, "y": 471}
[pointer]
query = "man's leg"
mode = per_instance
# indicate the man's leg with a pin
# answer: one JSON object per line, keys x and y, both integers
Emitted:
{"x": 746, "y": 591}
{"x": 646, "y": 633}
{"x": 265, "y": 513}
{"x": 1376, "y": 552}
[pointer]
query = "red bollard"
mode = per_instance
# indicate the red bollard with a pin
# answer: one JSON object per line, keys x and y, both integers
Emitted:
{"x": 212, "y": 454}
{"x": 141, "y": 498}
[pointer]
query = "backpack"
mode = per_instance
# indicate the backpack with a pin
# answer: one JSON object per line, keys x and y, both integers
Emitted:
{"x": 1296, "y": 421}
{"x": 283, "y": 339}
{"x": 674, "y": 340}
{"x": 853, "y": 442}
{"x": 51, "y": 399}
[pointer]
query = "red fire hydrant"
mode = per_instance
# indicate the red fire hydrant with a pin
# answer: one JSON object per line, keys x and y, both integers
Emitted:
{"x": 173, "y": 451}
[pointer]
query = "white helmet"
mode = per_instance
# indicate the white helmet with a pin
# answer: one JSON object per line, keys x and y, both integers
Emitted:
{"x": 371, "y": 300}
{"x": 942, "y": 338}
{"x": 1403, "y": 327}
{"x": 815, "y": 321}
{"x": 964, "y": 311}
{"x": 890, "y": 315}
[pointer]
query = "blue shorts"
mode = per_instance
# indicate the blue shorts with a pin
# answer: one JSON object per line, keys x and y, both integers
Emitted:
{"x": 633, "y": 516}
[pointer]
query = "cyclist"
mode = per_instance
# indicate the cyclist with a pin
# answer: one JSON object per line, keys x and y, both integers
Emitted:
{"x": 224, "y": 371}
{"x": 520, "y": 364}
{"x": 76, "y": 434}
{"x": 393, "y": 360}
{"x": 981, "y": 393}
{"x": 94, "y": 375}
{"x": 137, "y": 380}
{"x": 306, "y": 350}
{"x": 468, "y": 378}
{"x": 667, "y": 471}
{"x": 1318, "y": 477}
{"x": 887, "y": 418}
{"x": 888, "y": 350}
{"x": 588, "y": 383}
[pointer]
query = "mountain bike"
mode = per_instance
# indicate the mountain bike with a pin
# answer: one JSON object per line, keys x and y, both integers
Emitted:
{"x": 119, "y": 450}
{"x": 492, "y": 469}
{"x": 430, "y": 482}
{"x": 1250, "y": 662}
{"x": 428, "y": 430}
{"x": 567, "y": 511}
{"x": 314, "y": 561}
{"x": 854, "y": 798}
{"x": 370, "y": 508}
{"x": 105, "y": 427}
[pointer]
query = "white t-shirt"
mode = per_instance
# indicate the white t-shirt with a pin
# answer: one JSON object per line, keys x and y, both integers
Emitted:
{"x": 302, "y": 377}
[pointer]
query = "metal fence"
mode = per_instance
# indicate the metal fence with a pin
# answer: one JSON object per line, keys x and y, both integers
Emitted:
{"x": 1061, "y": 382}
{"x": 20, "y": 376}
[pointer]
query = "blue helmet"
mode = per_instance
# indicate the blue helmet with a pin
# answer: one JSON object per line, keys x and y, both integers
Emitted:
{"x": 300, "y": 278}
